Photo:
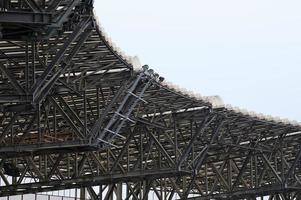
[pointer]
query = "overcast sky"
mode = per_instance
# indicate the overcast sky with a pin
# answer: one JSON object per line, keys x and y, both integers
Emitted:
{"x": 247, "y": 52}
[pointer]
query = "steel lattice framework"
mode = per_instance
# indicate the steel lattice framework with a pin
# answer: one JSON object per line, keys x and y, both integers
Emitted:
{"x": 76, "y": 113}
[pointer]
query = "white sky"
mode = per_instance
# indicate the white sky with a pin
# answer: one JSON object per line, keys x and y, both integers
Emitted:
{"x": 247, "y": 52}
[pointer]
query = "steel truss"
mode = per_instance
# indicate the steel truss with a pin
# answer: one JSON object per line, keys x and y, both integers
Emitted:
{"x": 75, "y": 114}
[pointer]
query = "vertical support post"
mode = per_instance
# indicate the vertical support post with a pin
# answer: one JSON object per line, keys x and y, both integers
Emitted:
{"x": 145, "y": 190}
{"x": 165, "y": 189}
{"x": 206, "y": 179}
{"x": 141, "y": 151}
{"x": 68, "y": 165}
{"x": 82, "y": 195}
{"x": 111, "y": 193}
{"x": 128, "y": 160}
{"x": 33, "y": 56}
{"x": 54, "y": 120}
{"x": 176, "y": 138}
{"x": 159, "y": 152}
{"x": 256, "y": 170}
{"x": 119, "y": 191}
{"x": 76, "y": 165}
{"x": 128, "y": 190}
{"x": 161, "y": 189}
{"x": 251, "y": 172}
{"x": 100, "y": 192}
{"x": 97, "y": 103}
{"x": 12, "y": 130}
{"x": 85, "y": 112}
{"x": 39, "y": 123}
{"x": 27, "y": 66}
{"x": 192, "y": 145}
{"x": 45, "y": 166}
{"x": 282, "y": 160}
{"x": 230, "y": 172}
{"x": 184, "y": 183}
{"x": 39, "y": 134}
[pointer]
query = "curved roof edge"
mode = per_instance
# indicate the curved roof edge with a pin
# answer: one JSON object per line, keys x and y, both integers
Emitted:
{"x": 216, "y": 101}
{"x": 131, "y": 60}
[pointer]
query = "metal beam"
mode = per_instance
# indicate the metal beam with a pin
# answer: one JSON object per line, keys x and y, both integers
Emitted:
{"x": 12, "y": 79}
{"x": 15, "y": 17}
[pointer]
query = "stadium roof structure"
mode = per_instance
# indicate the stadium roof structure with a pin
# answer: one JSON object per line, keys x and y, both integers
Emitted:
{"x": 76, "y": 112}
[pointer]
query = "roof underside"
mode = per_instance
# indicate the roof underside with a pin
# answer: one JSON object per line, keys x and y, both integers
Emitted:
{"x": 165, "y": 123}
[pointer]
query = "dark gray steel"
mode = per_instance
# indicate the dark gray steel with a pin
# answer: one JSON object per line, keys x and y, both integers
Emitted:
{"x": 76, "y": 114}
